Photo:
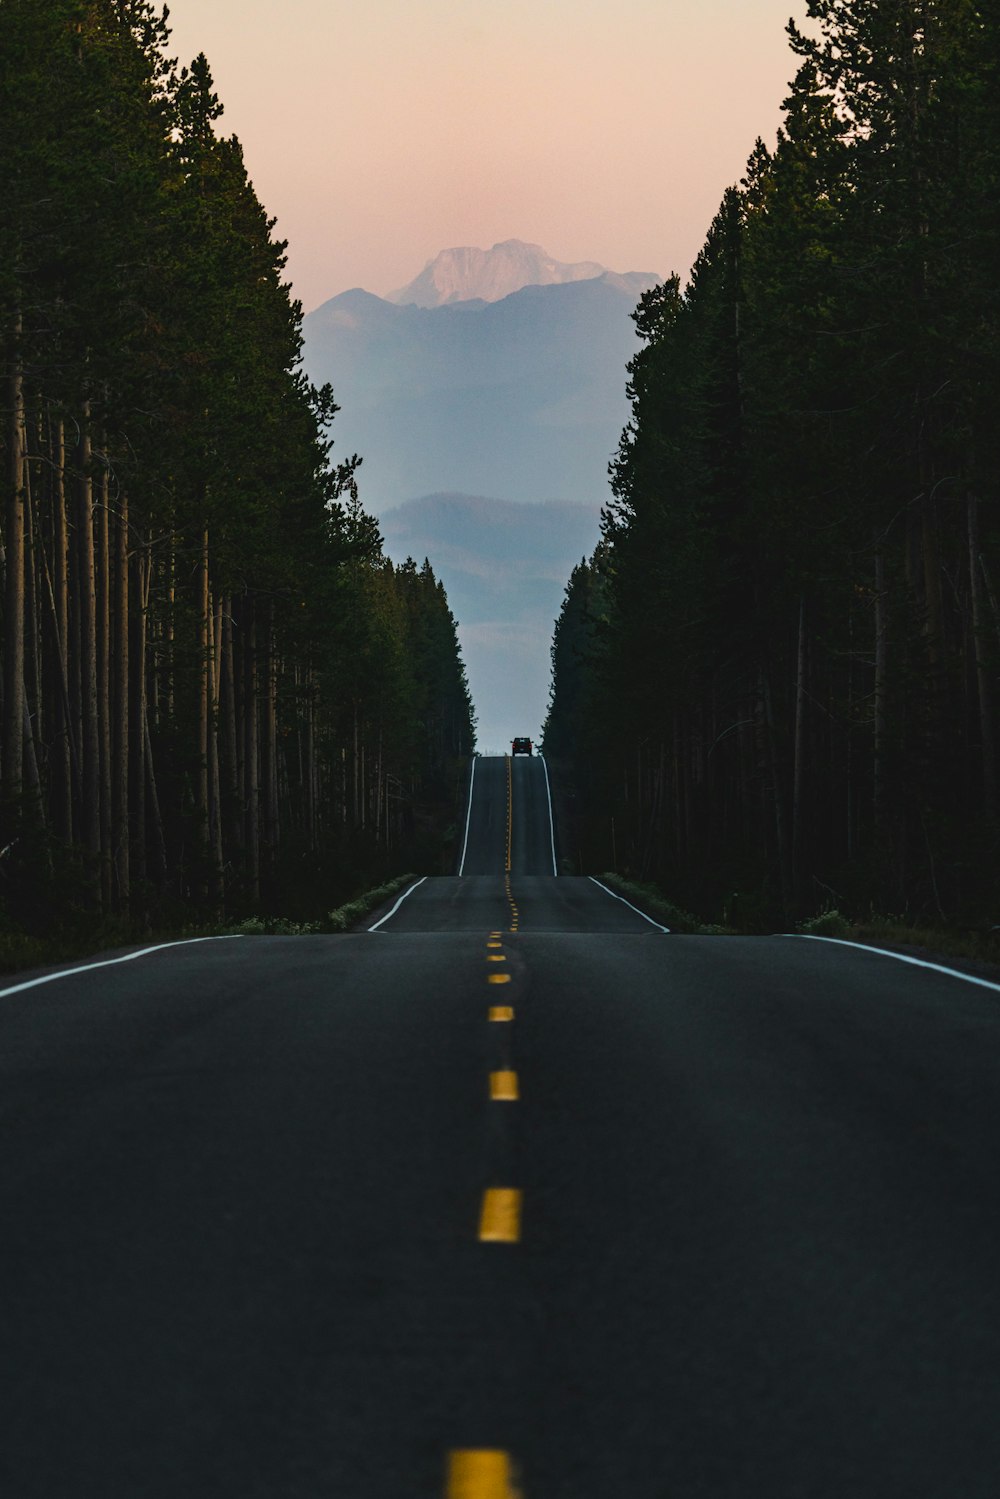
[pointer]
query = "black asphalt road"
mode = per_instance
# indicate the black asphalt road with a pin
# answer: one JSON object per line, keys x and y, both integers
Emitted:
{"x": 242, "y": 1189}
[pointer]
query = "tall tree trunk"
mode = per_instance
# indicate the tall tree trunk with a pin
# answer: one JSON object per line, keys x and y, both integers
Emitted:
{"x": 881, "y": 682}
{"x": 798, "y": 771}
{"x": 156, "y": 842}
{"x": 251, "y": 754}
{"x": 120, "y": 831}
{"x": 140, "y": 568}
{"x": 232, "y": 758}
{"x": 13, "y": 657}
{"x": 103, "y": 587}
{"x": 983, "y": 681}
{"x": 64, "y": 749}
{"x": 310, "y": 761}
{"x": 204, "y": 696}
{"x": 777, "y": 796}
{"x": 36, "y": 705}
{"x": 272, "y": 829}
{"x": 90, "y": 818}
{"x": 214, "y": 780}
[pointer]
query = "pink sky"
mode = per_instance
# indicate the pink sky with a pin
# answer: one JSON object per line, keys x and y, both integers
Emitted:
{"x": 379, "y": 132}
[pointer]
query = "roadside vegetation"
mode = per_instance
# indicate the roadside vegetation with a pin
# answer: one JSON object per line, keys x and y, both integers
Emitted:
{"x": 778, "y": 673}
{"x": 219, "y": 697}
{"x": 978, "y": 948}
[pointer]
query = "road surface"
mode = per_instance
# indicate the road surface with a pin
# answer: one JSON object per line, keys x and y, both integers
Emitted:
{"x": 514, "y": 1195}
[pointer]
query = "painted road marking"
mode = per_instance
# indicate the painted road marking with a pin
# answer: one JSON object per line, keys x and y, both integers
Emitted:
{"x": 500, "y": 1218}
{"x": 552, "y": 826}
{"x": 495, "y": 957}
{"x": 468, "y": 818}
{"x": 481, "y": 1475}
{"x": 900, "y": 957}
{"x": 501, "y": 1012}
{"x": 498, "y": 978}
{"x": 130, "y": 957}
{"x": 405, "y": 895}
{"x": 628, "y": 903}
{"x": 510, "y": 809}
{"x": 504, "y": 1087}
{"x": 494, "y": 944}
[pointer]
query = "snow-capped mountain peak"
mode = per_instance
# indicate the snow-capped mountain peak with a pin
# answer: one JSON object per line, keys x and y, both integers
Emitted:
{"x": 467, "y": 274}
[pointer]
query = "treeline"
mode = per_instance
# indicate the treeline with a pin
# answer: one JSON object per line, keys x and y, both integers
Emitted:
{"x": 216, "y": 690}
{"x": 778, "y": 674}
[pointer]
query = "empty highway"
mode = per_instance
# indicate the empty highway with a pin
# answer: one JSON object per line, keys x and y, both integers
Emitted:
{"x": 515, "y": 1194}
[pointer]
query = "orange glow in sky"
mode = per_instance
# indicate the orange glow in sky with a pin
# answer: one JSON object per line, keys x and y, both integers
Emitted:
{"x": 379, "y": 133}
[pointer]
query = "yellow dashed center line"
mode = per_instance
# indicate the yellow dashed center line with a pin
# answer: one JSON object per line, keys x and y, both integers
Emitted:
{"x": 504, "y": 1087}
{"x": 481, "y": 1475}
{"x": 500, "y": 1013}
{"x": 498, "y": 978}
{"x": 510, "y": 809}
{"x": 500, "y": 1216}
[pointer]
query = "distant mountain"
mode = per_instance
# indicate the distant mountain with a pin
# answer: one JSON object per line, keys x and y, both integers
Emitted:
{"x": 523, "y": 397}
{"x": 500, "y": 373}
{"x": 468, "y": 274}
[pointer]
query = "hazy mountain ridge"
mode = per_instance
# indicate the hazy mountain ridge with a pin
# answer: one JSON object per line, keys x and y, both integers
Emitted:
{"x": 466, "y": 273}
{"x": 522, "y": 397}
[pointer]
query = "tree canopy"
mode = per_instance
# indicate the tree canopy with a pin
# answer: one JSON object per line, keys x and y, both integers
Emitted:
{"x": 789, "y": 684}
{"x": 217, "y": 691}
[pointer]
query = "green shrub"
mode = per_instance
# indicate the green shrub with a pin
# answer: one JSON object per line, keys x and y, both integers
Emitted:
{"x": 826, "y": 924}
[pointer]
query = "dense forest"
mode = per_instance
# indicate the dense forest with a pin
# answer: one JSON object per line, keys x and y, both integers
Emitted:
{"x": 776, "y": 679}
{"x": 218, "y": 694}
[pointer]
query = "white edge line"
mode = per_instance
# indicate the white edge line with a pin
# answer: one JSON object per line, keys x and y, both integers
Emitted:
{"x": 900, "y": 957}
{"x": 396, "y": 907}
{"x": 552, "y": 828}
{"x": 468, "y": 818}
{"x": 130, "y": 957}
{"x": 630, "y": 905}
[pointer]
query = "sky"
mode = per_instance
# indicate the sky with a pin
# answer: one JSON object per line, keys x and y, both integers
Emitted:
{"x": 379, "y": 132}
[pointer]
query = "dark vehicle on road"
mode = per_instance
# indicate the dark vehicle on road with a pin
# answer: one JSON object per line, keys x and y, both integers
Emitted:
{"x": 521, "y": 747}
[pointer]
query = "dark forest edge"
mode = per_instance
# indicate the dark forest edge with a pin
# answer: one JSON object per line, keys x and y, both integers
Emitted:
{"x": 18, "y": 950}
{"x": 774, "y": 683}
{"x": 219, "y": 697}
{"x": 977, "y": 949}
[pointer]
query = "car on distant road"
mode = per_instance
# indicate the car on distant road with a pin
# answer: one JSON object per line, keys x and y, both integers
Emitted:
{"x": 521, "y": 747}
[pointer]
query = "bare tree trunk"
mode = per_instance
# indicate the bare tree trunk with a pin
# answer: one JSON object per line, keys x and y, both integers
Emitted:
{"x": 34, "y": 698}
{"x": 310, "y": 765}
{"x": 881, "y": 679}
{"x": 156, "y": 842}
{"x": 983, "y": 682}
{"x": 232, "y": 758}
{"x": 141, "y": 569}
{"x": 214, "y": 781}
{"x": 204, "y": 696}
{"x": 120, "y": 756}
{"x": 103, "y": 586}
{"x": 251, "y": 754}
{"x": 798, "y": 770}
{"x": 66, "y": 777}
{"x": 90, "y": 820}
{"x": 64, "y": 748}
{"x": 777, "y": 797}
{"x": 13, "y": 657}
{"x": 270, "y": 744}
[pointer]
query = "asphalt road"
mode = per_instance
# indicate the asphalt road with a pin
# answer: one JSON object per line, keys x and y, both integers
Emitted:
{"x": 274, "y": 1225}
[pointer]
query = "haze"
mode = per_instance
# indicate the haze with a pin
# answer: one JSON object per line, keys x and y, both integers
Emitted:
{"x": 379, "y": 134}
